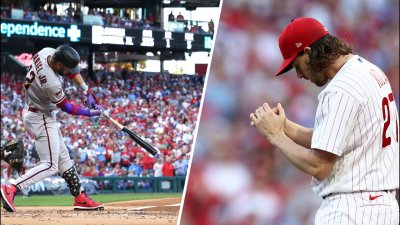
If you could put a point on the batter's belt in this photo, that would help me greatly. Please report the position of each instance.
(35, 110)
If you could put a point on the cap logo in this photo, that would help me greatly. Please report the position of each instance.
(298, 44)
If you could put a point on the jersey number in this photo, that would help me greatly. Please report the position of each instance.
(30, 77)
(386, 117)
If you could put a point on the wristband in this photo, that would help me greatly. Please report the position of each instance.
(84, 88)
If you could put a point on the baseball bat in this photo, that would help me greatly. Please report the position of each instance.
(134, 136)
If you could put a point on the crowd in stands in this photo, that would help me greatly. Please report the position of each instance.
(161, 108)
(72, 15)
(236, 176)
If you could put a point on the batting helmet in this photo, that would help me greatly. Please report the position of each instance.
(69, 57)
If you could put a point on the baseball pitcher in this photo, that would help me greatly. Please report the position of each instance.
(43, 94)
(352, 153)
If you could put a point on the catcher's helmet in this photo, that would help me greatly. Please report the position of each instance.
(69, 57)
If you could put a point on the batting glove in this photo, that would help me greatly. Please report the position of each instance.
(94, 112)
(91, 100)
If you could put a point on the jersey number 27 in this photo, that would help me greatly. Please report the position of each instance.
(386, 140)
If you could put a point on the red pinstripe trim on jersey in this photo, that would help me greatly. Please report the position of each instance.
(62, 102)
(72, 75)
(51, 158)
(391, 97)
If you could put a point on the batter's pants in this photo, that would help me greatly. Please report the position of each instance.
(50, 146)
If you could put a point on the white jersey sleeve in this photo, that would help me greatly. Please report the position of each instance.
(55, 94)
(334, 122)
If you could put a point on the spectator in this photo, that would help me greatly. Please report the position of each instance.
(150, 19)
(136, 168)
(126, 158)
(180, 167)
(82, 154)
(211, 27)
(185, 161)
(90, 171)
(117, 170)
(91, 153)
(148, 164)
(158, 167)
(70, 11)
(108, 169)
(168, 169)
(187, 137)
(116, 156)
(101, 154)
(176, 3)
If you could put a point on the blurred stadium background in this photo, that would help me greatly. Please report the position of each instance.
(146, 66)
(236, 177)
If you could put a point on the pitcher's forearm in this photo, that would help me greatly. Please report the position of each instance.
(316, 163)
(299, 134)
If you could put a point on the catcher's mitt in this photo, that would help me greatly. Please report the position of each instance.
(13, 153)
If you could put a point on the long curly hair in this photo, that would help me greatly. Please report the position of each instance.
(325, 51)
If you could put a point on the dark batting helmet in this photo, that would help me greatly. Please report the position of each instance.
(69, 57)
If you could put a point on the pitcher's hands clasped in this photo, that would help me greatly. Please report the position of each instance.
(269, 122)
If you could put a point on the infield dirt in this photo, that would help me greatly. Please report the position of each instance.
(137, 212)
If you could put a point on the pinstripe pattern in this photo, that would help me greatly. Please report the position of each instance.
(357, 209)
(350, 122)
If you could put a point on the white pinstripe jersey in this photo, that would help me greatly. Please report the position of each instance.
(43, 86)
(357, 120)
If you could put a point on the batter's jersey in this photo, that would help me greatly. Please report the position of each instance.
(357, 120)
(43, 87)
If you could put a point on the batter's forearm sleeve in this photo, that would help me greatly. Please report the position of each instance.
(73, 109)
(72, 76)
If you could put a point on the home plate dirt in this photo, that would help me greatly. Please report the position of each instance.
(139, 212)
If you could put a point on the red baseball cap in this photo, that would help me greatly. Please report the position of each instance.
(298, 34)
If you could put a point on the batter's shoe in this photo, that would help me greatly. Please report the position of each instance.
(83, 202)
(7, 197)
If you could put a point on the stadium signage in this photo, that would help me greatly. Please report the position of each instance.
(24, 58)
(40, 30)
(150, 38)
(110, 35)
(208, 42)
(168, 38)
(189, 38)
(98, 35)
(147, 38)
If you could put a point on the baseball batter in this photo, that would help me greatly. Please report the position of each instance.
(43, 94)
(352, 153)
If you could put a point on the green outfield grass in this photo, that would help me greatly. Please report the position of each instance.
(67, 200)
